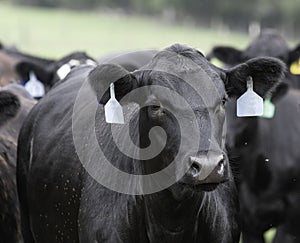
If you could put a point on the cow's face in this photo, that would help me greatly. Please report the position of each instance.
(49, 72)
(182, 109)
(269, 44)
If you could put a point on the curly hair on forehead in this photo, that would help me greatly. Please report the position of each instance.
(184, 50)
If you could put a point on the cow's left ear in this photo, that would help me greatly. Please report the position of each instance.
(279, 92)
(102, 76)
(294, 55)
(9, 106)
(227, 55)
(266, 72)
(24, 68)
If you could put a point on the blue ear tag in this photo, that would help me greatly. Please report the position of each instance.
(269, 108)
(34, 87)
(250, 103)
(113, 110)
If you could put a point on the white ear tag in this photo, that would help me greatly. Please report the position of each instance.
(35, 88)
(250, 103)
(113, 109)
(63, 71)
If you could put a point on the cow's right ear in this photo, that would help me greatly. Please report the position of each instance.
(102, 76)
(266, 72)
(9, 106)
(227, 55)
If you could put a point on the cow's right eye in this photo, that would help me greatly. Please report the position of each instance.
(224, 100)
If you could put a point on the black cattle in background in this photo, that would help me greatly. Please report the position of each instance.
(268, 43)
(15, 103)
(268, 154)
(131, 61)
(61, 202)
(266, 148)
(15, 66)
(48, 71)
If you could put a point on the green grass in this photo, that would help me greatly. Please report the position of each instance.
(55, 33)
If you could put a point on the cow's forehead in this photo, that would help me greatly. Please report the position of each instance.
(182, 73)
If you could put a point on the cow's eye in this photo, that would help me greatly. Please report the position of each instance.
(224, 100)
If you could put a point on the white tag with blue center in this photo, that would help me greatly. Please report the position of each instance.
(34, 87)
(113, 110)
(250, 103)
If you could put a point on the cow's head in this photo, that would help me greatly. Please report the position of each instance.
(49, 73)
(203, 90)
(9, 106)
(269, 43)
(15, 101)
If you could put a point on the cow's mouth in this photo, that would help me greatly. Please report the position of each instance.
(206, 187)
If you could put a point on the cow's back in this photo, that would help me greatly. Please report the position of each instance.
(47, 164)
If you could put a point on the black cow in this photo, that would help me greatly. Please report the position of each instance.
(48, 72)
(131, 61)
(15, 103)
(61, 202)
(15, 66)
(268, 43)
(268, 155)
(266, 151)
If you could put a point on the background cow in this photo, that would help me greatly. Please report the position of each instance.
(268, 43)
(15, 103)
(15, 66)
(266, 148)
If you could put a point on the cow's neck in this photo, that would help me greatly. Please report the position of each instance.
(173, 216)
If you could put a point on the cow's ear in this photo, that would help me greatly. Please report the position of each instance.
(266, 72)
(24, 68)
(9, 106)
(294, 54)
(279, 91)
(227, 55)
(102, 76)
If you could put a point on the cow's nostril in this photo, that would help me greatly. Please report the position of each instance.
(195, 168)
(221, 163)
(221, 166)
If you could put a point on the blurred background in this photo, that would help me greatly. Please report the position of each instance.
(53, 28)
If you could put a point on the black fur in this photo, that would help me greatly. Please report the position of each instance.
(9, 106)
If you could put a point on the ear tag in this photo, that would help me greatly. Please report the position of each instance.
(295, 68)
(250, 103)
(63, 71)
(35, 88)
(113, 109)
(269, 108)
